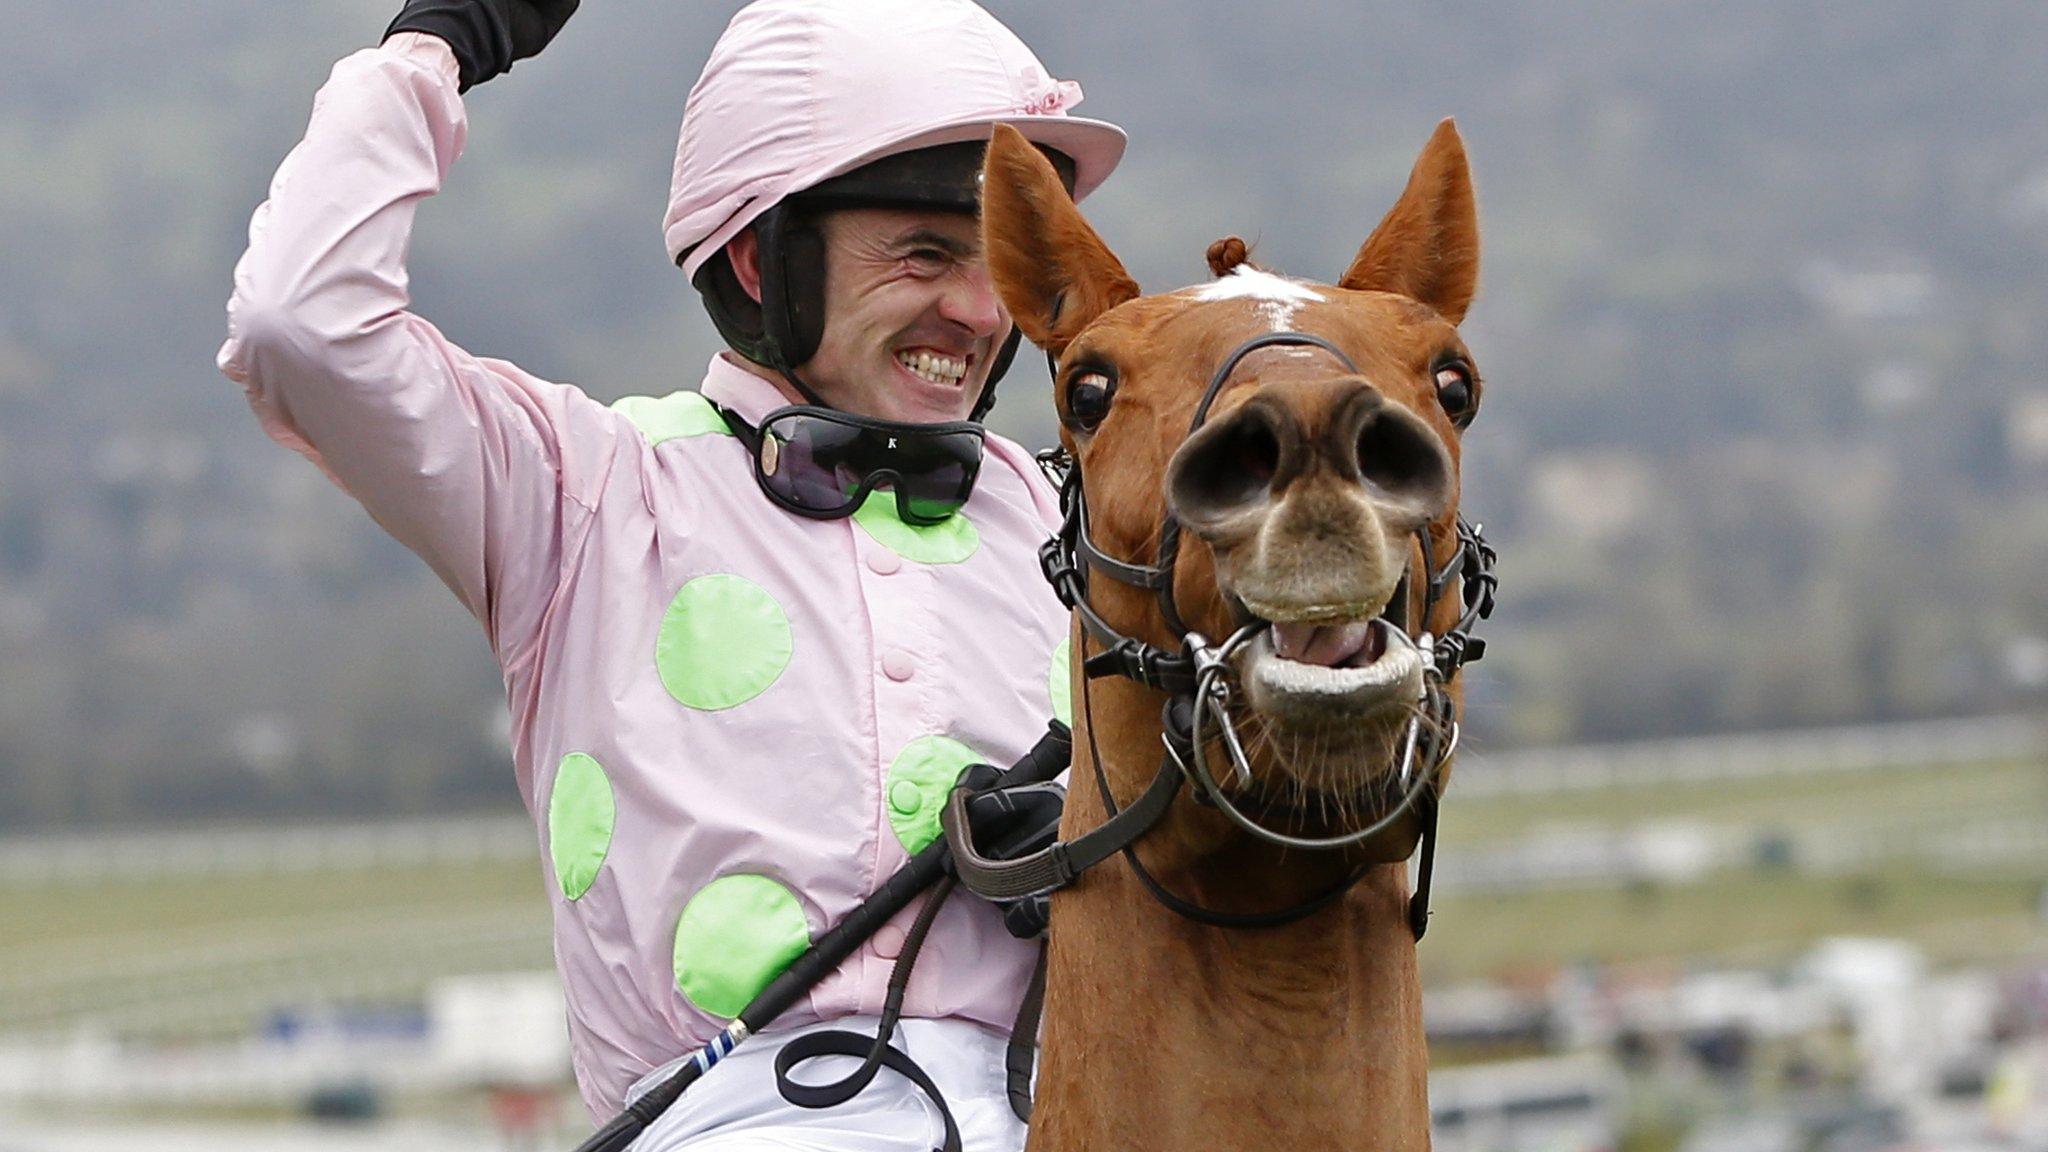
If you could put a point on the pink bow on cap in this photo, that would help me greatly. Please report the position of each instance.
(1043, 95)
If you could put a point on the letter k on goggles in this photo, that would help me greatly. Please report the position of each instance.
(822, 463)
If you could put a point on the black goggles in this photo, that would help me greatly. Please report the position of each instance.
(822, 463)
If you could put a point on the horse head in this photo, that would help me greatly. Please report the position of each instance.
(1283, 456)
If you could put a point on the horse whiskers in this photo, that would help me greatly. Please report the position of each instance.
(1304, 772)
(1323, 796)
(1345, 797)
(1317, 765)
(1320, 744)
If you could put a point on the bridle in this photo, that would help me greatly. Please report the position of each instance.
(1199, 684)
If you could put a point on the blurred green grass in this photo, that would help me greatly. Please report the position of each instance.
(1765, 914)
(207, 956)
(1734, 917)
(195, 956)
(1887, 797)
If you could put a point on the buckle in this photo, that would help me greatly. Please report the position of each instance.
(1128, 657)
(1051, 563)
(1059, 570)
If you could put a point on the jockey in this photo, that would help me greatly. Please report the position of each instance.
(750, 633)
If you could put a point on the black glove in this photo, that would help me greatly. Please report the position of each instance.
(1011, 822)
(486, 35)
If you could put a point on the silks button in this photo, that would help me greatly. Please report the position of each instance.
(897, 664)
(889, 941)
(884, 562)
(905, 798)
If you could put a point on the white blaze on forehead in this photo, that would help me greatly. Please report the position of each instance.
(1279, 297)
(1248, 283)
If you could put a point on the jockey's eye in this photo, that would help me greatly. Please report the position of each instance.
(926, 263)
(1458, 391)
(1089, 391)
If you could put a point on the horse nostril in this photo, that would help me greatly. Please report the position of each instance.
(1402, 459)
(1226, 468)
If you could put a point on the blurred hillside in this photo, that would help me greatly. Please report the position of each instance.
(1765, 333)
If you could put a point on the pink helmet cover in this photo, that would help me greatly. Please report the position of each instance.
(798, 91)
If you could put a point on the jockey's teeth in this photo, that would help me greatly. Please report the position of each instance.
(937, 369)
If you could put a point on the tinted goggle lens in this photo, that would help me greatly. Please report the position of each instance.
(823, 464)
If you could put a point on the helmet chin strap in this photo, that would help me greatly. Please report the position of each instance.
(1005, 352)
(810, 396)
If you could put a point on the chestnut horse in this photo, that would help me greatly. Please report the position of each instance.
(1299, 502)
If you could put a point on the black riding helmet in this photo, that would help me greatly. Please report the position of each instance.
(783, 330)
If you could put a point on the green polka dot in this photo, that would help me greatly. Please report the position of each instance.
(949, 542)
(734, 936)
(580, 814)
(667, 417)
(723, 641)
(920, 779)
(1060, 682)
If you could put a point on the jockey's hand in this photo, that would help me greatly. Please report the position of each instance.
(486, 35)
(1008, 823)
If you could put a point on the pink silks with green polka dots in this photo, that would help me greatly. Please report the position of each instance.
(731, 723)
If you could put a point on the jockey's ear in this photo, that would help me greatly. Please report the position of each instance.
(1427, 248)
(1054, 273)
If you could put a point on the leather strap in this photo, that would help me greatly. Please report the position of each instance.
(1022, 1054)
(1056, 866)
(815, 1044)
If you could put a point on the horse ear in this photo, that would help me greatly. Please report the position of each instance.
(1054, 273)
(1427, 248)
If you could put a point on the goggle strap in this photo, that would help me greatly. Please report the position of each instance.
(745, 433)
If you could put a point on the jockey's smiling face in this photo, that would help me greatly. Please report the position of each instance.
(912, 320)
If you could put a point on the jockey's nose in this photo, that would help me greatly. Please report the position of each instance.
(1293, 432)
(970, 301)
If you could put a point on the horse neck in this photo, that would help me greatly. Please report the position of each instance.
(1162, 1033)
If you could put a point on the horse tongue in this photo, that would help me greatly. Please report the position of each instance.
(1326, 644)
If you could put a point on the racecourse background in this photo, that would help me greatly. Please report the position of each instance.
(1764, 448)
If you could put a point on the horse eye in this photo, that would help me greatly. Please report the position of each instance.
(1454, 391)
(1088, 395)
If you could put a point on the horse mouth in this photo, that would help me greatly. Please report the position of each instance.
(1331, 671)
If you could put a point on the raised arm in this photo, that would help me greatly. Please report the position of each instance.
(484, 470)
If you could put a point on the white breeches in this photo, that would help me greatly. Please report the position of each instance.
(735, 1107)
